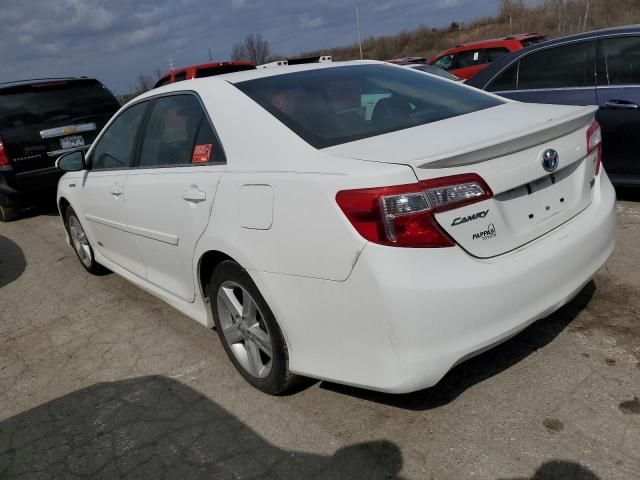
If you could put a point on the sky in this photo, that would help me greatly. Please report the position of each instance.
(116, 40)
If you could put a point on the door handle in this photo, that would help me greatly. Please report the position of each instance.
(621, 105)
(194, 195)
(116, 190)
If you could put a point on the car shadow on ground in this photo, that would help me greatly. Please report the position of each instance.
(12, 261)
(560, 470)
(483, 366)
(155, 427)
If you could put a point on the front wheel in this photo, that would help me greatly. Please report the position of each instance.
(248, 330)
(80, 243)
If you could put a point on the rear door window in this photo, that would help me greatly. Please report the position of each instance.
(495, 53)
(115, 148)
(470, 58)
(178, 77)
(178, 133)
(559, 67)
(623, 60)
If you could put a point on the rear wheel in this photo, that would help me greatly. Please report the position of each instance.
(80, 243)
(248, 330)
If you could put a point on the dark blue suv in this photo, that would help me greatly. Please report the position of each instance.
(596, 68)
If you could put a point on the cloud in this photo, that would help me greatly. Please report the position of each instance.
(140, 36)
(448, 3)
(116, 40)
(311, 22)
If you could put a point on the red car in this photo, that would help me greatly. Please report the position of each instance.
(465, 60)
(204, 70)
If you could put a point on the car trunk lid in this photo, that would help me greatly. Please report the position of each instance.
(505, 146)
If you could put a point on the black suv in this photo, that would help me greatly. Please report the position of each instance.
(39, 121)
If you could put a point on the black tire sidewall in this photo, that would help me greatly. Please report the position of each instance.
(279, 378)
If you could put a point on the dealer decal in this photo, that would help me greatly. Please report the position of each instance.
(490, 232)
(469, 218)
(201, 153)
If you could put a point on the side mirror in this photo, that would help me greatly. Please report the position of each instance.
(71, 162)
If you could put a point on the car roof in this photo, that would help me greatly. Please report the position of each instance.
(517, 37)
(482, 78)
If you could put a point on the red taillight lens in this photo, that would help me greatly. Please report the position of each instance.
(594, 141)
(402, 215)
(4, 160)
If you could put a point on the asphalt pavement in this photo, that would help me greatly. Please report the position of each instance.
(99, 379)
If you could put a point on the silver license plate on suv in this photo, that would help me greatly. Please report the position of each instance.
(72, 141)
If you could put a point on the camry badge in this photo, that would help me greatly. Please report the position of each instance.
(550, 160)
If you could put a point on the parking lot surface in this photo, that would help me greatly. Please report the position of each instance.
(98, 379)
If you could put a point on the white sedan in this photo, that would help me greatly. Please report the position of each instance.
(356, 222)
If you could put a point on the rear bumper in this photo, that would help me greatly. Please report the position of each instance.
(405, 317)
(14, 184)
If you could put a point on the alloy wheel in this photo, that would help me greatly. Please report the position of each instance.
(244, 329)
(79, 241)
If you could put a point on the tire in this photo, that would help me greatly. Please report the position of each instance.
(80, 244)
(9, 213)
(250, 335)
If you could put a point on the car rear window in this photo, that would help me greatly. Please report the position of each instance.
(54, 101)
(337, 105)
(532, 41)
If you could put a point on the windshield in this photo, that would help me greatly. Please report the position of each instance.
(336, 105)
(54, 101)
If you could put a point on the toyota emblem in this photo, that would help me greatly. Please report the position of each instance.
(550, 160)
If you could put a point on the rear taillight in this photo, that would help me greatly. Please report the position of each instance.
(4, 160)
(594, 141)
(402, 215)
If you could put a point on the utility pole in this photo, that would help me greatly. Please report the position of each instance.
(172, 65)
(359, 37)
(158, 73)
(210, 56)
(586, 16)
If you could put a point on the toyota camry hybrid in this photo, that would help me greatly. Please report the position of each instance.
(357, 222)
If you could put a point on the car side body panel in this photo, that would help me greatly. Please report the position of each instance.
(391, 319)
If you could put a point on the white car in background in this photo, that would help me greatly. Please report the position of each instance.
(371, 245)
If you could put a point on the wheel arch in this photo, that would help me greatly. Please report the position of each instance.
(207, 263)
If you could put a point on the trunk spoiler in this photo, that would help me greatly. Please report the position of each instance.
(499, 147)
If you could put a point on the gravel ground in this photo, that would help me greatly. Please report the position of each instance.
(100, 380)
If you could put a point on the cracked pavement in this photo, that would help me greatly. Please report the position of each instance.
(98, 379)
